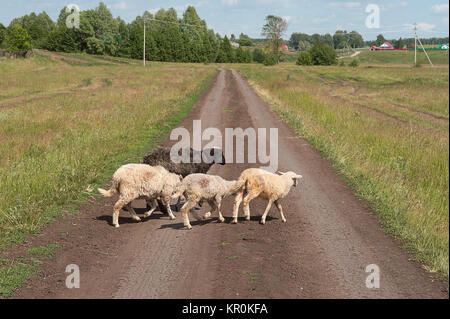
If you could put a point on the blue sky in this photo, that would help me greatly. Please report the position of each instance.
(247, 16)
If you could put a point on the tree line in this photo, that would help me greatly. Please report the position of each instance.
(169, 38)
(340, 40)
(343, 39)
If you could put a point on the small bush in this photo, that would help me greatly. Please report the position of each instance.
(323, 54)
(354, 63)
(270, 59)
(258, 55)
(342, 63)
(304, 59)
(18, 39)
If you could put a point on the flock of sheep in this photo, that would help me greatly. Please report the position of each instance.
(160, 179)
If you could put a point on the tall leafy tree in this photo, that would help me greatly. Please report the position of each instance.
(2, 34)
(380, 40)
(274, 30)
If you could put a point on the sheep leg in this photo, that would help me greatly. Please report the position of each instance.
(166, 201)
(263, 218)
(281, 211)
(213, 208)
(162, 207)
(153, 208)
(219, 204)
(237, 202)
(117, 207)
(133, 212)
(196, 215)
(250, 196)
(184, 212)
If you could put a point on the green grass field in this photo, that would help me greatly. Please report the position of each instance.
(386, 129)
(65, 128)
(400, 57)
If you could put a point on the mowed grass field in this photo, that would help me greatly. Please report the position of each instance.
(386, 128)
(400, 57)
(65, 128)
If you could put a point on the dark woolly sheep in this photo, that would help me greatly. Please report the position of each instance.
(160, 156)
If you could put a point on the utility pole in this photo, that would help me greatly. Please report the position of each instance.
(144, 41)
(416, 39)
(415, 44)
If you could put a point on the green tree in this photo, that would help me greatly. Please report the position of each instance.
(244, 40)
(247, 56)
(340, 39)
(274, 30)
(323, 54)
(399, 44)
(298, 39)
(226, 52)
(17, 39)
(258, 55)
(380, 40)
(270, 60)
(305, 59)
(2, 34)
(328, 40)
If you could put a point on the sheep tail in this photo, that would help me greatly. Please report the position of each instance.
(113, 190)
(240, 185)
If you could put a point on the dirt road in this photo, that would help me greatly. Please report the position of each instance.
(321, 252)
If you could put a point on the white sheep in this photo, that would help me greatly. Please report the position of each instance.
(201, 187)
(141, 181)
(240, 185)
(264, 185)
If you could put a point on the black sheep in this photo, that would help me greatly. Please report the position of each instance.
(161, 156)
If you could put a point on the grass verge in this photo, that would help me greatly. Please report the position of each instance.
(57, 149)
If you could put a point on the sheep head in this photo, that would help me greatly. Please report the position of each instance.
(294, 176)
(214, 155)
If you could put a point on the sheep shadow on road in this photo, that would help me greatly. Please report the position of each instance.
(124, 217)
(180, 226)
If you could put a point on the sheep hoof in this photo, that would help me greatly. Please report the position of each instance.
(247, 218)
(207, 215)
(138, 219)
(263, 222)
(221, 220)
(189, 227)
(234, 221)
(284, 220)
(117, 226)
(172, 218)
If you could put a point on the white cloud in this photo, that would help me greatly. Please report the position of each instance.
(121, 5)
(421, 26)
(344, 4)
(287, 18)
(201, 4)
(440, 8)
(154, 10)
(230, 2)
